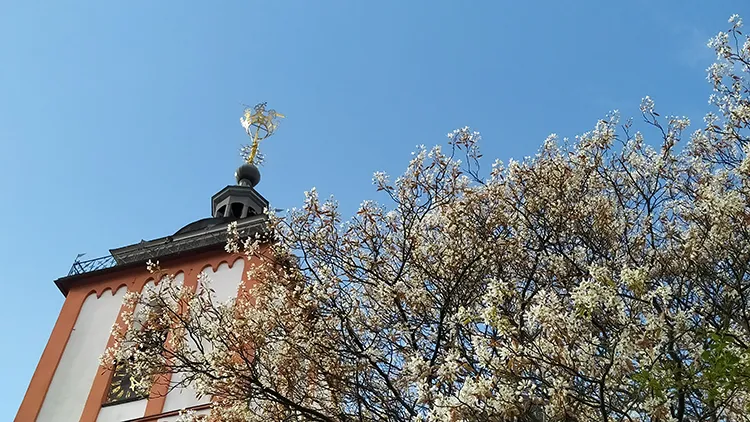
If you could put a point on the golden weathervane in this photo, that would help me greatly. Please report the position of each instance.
(259, 124)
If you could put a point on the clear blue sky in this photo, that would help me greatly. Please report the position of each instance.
(119, 120)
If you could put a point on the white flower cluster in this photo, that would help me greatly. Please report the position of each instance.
(604, 279)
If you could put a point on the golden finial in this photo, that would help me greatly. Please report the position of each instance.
(259, 124)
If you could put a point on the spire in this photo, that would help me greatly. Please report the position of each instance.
(242, 200)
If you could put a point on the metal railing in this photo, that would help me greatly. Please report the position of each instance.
(141, 252)
(80, 267)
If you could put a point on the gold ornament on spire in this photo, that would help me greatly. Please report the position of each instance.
(259, 124)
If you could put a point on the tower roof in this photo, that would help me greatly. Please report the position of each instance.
(241, 203)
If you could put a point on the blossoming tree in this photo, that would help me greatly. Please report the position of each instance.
(604, 279)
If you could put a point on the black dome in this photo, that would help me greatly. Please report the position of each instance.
(204, 223)
(247, 175)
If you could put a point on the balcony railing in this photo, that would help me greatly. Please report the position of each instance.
(80, 267)
(170, 245)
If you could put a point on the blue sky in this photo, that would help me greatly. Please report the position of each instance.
(119, 120)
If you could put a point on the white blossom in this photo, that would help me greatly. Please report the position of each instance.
(603, 279)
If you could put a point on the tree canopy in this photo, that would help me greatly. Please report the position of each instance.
(607, 278)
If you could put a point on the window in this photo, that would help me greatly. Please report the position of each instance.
(237, 209)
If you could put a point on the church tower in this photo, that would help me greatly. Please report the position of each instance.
(69, 384)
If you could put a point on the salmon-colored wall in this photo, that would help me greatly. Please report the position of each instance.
(134, 279)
